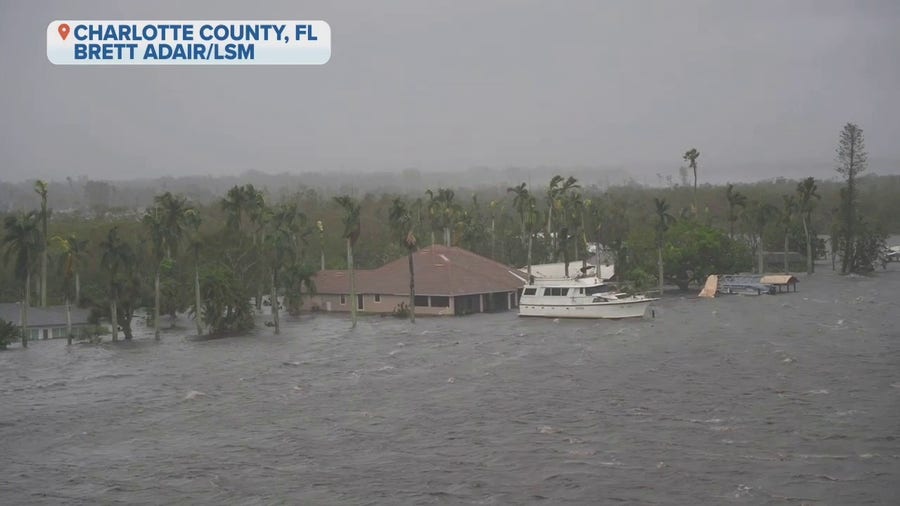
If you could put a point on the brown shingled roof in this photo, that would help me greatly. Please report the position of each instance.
(440, 270)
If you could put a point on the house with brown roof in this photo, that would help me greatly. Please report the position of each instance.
(449, 281)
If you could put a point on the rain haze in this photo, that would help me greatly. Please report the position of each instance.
(760, 88)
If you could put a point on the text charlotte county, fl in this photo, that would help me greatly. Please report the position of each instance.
(177, 41)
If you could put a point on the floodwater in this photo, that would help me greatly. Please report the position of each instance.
(787, 399)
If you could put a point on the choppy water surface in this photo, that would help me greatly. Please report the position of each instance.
(748, 400)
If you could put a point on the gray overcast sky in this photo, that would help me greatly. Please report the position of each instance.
(450, 84)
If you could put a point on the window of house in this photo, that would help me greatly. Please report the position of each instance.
(530, 291)
(377, 297)
(343, 299)
(421, 301)
(440, 301)
(359, 302)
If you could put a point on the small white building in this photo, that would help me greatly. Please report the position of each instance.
(46, 322)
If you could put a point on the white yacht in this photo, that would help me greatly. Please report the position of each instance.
(584, 297)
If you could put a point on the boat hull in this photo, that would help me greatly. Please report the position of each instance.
(612, 310)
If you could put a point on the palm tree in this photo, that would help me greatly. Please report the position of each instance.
(663, 220)
(402, 222)
(526, 205)
(758, 217)
(553, 191)
(283, 226)
(72, 249)
(22, 240)
(245, 209)
(156, 228)
(532, 221)
(40, 187)
(572, 207)
(192, 221)
(806, 192)
(691, 156)
(520, 204)
(496, 207)
(115, 255)
(787, 219)
(557, 191)
(172, 213)
(321, 228)
(351, 234)
(444, 213)
(735, 200)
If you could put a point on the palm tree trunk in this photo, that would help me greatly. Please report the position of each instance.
(731, 221)
(412, 289)
(759, 252)
(695, 188)
(352, 284)
(809, 262)
(156, 314)
(530, 240)
(77, 290)
(447, 238)
(323, 260)
(114, 320)
(68, 322)
(25, 308)
(549, 234)
(44, 270)
(659, 263)
(493, 240)
(786, 252)
(432, 237)
(197, 316)
(275, 304)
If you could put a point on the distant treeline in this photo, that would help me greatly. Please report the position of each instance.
(87, 197)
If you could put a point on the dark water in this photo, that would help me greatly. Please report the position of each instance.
(787, 399)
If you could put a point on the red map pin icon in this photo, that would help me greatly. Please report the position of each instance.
(63, 31)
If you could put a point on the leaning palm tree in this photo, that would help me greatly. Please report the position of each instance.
(351, 234)
(663, 220)
(402, 223)
(40, 187)
(806, 192)
(691, 157)
(22, 240)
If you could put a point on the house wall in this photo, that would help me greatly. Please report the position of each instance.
(488, 302)
(386, 306)
(54, 332)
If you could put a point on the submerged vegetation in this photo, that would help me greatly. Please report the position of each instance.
(256, 251)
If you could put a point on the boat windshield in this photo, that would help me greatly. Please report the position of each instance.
(597, 289)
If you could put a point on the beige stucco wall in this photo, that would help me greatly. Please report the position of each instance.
(386, 306)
